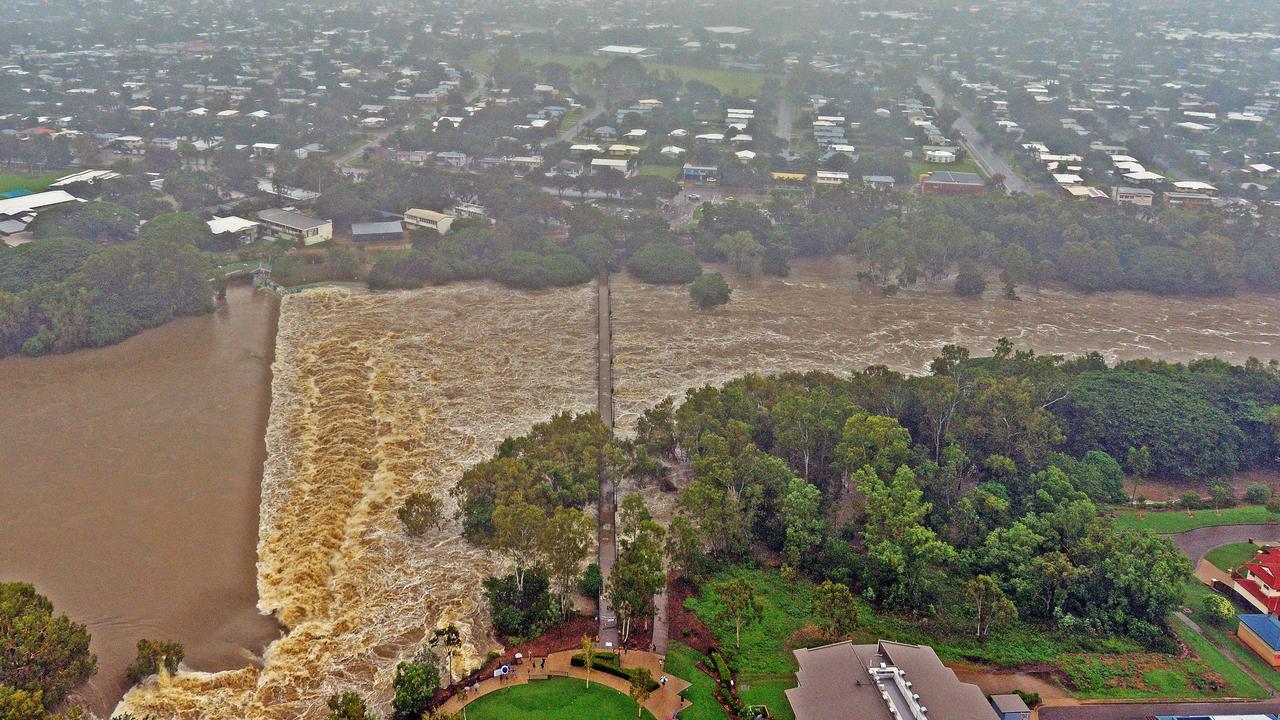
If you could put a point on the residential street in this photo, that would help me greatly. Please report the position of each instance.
(1147, 711)
(1195, 543)
(973, 141)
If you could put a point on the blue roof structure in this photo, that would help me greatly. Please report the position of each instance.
(16, 193)
(1266, 627)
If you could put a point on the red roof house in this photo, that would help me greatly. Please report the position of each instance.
(1258, 581)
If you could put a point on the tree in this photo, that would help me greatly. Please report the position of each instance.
(743, 252)
(739, 605)
(1139, 461)
(802, 516)
(989, 604)
(1257, 494)
(344, 264)
(835, 604)
(1045, 579)
(588, 656)
(421, 512)
(595, 251)
(565, 543)
(348, 706)
(637, 575)
(415, 684)
(875, 441)
(41, 654)
(905, 559)
(641, 687)
(180, 228)
(517, 530)
(969, 281)
(709, 290)
(664, 263)
(450, 639)
(154, 656)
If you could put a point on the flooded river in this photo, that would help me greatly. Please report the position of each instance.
(129, 487)
(378, 396)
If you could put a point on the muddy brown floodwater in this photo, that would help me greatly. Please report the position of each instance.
(822, 318)
(129, 487)
(378, 396)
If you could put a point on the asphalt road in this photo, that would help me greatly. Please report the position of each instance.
(377, 138)
(784, 119)
(1195, 543)
(1147, 711)
(572, 132)
(977, 146)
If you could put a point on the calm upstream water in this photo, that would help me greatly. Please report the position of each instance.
(129, 486)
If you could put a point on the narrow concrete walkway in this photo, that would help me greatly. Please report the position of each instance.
(606, 532)
(663, 703)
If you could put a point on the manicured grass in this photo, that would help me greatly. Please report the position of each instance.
(682, 662)
(726, 81)
(665, 171)
(920, 167)
(1232, 556)
(555, 699)
(1172, 521)
(34, 183)
(1194, 599)
(773, 694)
(1239, 684)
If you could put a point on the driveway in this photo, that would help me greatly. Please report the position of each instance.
(1195, 543)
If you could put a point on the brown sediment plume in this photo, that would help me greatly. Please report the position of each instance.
(375, 397)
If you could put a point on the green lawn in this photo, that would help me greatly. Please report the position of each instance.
(1229, 557)
(920, 167)
(682, 662)
(555, 699)
(771, 693)
(664, 171)
(1172, 521)
(34, 183)
(726, 81)
(1238, 681)
(1195, 592)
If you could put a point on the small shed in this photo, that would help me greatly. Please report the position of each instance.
(390, 231)
(1010, 707)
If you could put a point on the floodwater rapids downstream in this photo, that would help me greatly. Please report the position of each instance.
(375, 396)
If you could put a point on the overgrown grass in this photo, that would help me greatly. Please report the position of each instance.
(682, 662)
(1173, 521)
(555, 699)
(664, 171)
(1231, 556)
(1239, 684)
(20, 181)
(1194, 599)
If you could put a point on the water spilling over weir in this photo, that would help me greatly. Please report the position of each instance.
(377, 396)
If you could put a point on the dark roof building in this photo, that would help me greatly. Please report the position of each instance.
(1010, 707)
(885, 681)
(945, 182)
(388, 231)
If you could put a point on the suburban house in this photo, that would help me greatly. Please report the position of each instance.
(945, 182)
(1262, 634)
(381, 231)
(1187, 199)
(290, 224)
(1257, 581)
(242, 230)
(17, 212)
(428, 219)
(620, 165)
(1142, 197)
(830, 177)
(879, 182)
(885, 681)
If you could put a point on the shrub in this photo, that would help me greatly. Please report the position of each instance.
(1257, 494)
(532, 271)
(521, 613)
(664, 263)
(969, 281)
(153, 655)
(1032, 699)
(1273, 505)
(1218, 609)
(591, 584)
(1190, 500)
(1221, 494)
(709, 290)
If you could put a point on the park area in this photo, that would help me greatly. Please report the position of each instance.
(555, 699)
(728, 82)
(10, 182)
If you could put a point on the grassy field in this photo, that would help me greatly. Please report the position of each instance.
(555, 699)
(34, 183)
(1172, 521)
(664, 171)
(726, 81)
(1238, 681)
(1230, 557)
(682, 662)
(920, 167)
(1194, 599)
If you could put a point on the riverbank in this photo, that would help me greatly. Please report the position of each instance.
(131, 486)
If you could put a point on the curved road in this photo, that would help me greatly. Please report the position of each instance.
(1195, 543)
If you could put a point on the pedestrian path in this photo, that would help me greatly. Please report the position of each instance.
(663, 703)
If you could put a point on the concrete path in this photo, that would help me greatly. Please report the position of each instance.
(663, 703)
(606, 532)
